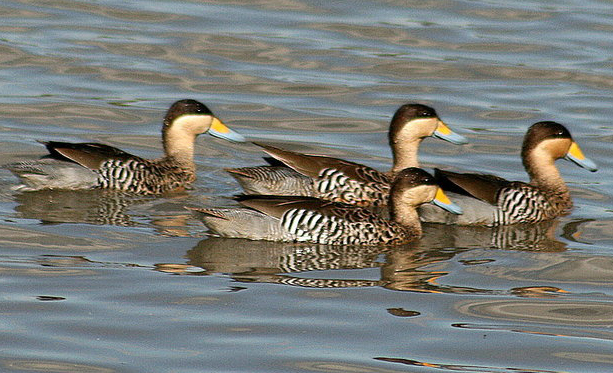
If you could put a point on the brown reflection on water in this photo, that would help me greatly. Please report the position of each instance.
(269, 87)
(338, 367)
(507, 115)
(143, 77)
(105, 207)
(21, 238)
(44, 272)
(419, 265)
(262, 261)
(243, 49)
(57, 266)
(21, 13)
(570, 269)
(405, 270)
(414, 267)
(385, 34)
(590, 231)
(585, 357)
(509, 14)
(558, 312)
(65, 113)
(82, 206)
(392, 68)
(499, 47)
(420, 4)
(417, 69)
(15, 57)
(528, 237)
(93, 8)
(42, 365)
(525, 73)
(272, 5)
(460, 367)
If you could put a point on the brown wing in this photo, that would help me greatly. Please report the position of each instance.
(277, 206)
(90, 155)
(483, 187)
(312, 165)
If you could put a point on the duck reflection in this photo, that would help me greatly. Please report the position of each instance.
(531, 237)
(416, 266)
(99, 207)
(86, 206)
(264, 261)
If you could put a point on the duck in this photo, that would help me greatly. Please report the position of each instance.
(94, 165)
(489, 200)
(313, 220)
(338, 180)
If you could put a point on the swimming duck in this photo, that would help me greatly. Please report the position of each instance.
(306, 219)
(490, 200)
(338, 180)
(94, 165)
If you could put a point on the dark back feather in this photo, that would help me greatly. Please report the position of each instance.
(313, 165)
(483, 187)
(90, 155)
(277, 206)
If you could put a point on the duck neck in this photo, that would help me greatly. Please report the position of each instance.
(179, 147)
(545, 175)
(406, 216)
(404, 152)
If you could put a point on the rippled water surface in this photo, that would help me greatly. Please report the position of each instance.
(100, 282)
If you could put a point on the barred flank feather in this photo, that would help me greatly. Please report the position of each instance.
(324, 257)
(312, 226)
(143, 176)
(322, 283)
(270, 180)
(525, 204)
(334, 185)
(307, 219)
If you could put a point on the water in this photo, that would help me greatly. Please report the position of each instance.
(100, 282)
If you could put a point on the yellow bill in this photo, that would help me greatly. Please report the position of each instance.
(442, 201)
(443, 132)
(218, 129)
(576, 155)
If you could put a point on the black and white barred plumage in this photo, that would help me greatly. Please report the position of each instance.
(350, 227)
(94, 165)
(371, 189)
(273, 180)
(523, 203)
(491, 201)
(338, 180)
(304, 219)
(363, 186)
(142, 176)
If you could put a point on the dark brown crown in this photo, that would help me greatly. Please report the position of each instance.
(412, 177)
(185, 107)
(407, 113)
(542, 131)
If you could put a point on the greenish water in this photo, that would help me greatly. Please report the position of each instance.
(99, 282)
